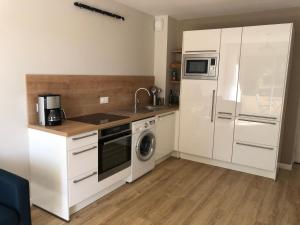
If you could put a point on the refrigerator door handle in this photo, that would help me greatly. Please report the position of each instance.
(212, 106)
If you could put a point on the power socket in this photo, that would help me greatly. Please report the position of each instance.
(104, 100)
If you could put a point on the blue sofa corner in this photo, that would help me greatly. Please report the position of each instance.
(14, 200)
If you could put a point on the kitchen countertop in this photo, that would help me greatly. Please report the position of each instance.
(71, 128)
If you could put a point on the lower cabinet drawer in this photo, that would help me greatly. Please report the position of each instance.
(82, 160)
(255, 131)
(257, 156)
(83, 139)
(83, 187)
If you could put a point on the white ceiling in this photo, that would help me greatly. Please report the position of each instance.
(187, 9)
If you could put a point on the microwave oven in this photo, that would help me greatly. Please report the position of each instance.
(200, 66)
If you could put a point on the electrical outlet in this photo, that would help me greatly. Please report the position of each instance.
(103, 100)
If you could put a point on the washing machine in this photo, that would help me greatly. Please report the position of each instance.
(143, 148)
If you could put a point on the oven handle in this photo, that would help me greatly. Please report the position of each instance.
(117, 139)
(110, 135)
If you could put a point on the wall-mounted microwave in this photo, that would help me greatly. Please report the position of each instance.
(202, 66)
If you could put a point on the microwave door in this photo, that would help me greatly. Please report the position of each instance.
(196, 67)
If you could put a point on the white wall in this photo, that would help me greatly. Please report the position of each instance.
(55, 37)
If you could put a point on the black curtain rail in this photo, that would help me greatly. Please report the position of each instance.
(93, 9)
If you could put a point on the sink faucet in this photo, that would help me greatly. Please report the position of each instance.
(135, 97)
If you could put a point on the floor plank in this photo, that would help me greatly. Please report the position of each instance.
(180, 192)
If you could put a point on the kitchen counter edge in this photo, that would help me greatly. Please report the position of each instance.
(70, 128)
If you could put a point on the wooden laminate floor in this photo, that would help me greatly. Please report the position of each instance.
(180, 192)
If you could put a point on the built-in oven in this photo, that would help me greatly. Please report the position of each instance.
(114, 150)
(203, 66)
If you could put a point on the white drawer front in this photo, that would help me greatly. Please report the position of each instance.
(82, 160)
(261, 157)
(83, 139)
(255, 131)
(83, 187)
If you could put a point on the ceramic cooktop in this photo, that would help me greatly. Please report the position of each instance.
(98, 118)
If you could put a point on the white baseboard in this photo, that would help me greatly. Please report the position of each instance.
(160, 160)
(285, 166)
(175, 154)
(231, 166)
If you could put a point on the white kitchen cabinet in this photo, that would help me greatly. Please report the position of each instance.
(83, 187)
(227, 92)
(63, 170)
(165, 135)
(83, 159)
(197, 101)
(263, 70)
(251, 90)
(257, 131)
(261, 93)
(223, 138)
(253, 155)
(80, 140)
(201, 41)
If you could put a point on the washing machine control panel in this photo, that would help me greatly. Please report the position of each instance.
(152, 122)
(143, 125)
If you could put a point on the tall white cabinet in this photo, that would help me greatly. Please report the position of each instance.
(197, 117)
(244, 133)
(261, 92)
(227, 93)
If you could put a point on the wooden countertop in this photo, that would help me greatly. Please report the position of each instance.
(71, 128)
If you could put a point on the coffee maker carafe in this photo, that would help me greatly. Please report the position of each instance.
(49, 110)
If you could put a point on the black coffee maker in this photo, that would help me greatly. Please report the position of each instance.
(49, 110)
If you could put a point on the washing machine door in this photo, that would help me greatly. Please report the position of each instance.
(145, 147)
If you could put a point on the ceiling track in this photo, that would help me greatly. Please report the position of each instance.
(103, 12)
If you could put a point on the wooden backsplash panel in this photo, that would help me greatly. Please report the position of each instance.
(80, 93)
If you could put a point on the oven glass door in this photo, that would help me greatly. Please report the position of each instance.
(196, 67)
(114, 155)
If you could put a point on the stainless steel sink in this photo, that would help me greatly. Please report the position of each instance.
(143, 109)
(153, 108)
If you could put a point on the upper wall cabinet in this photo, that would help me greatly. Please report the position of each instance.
(263, 70)
(201, 41)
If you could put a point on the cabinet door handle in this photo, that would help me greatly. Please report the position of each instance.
(223, 117)
(82, 137)
(212, 106)
(255, 146)
(86, 150)
(165, 115)
(84, 178)
(255, 121)
(263, 117)
(201, 51)
(225, 113)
